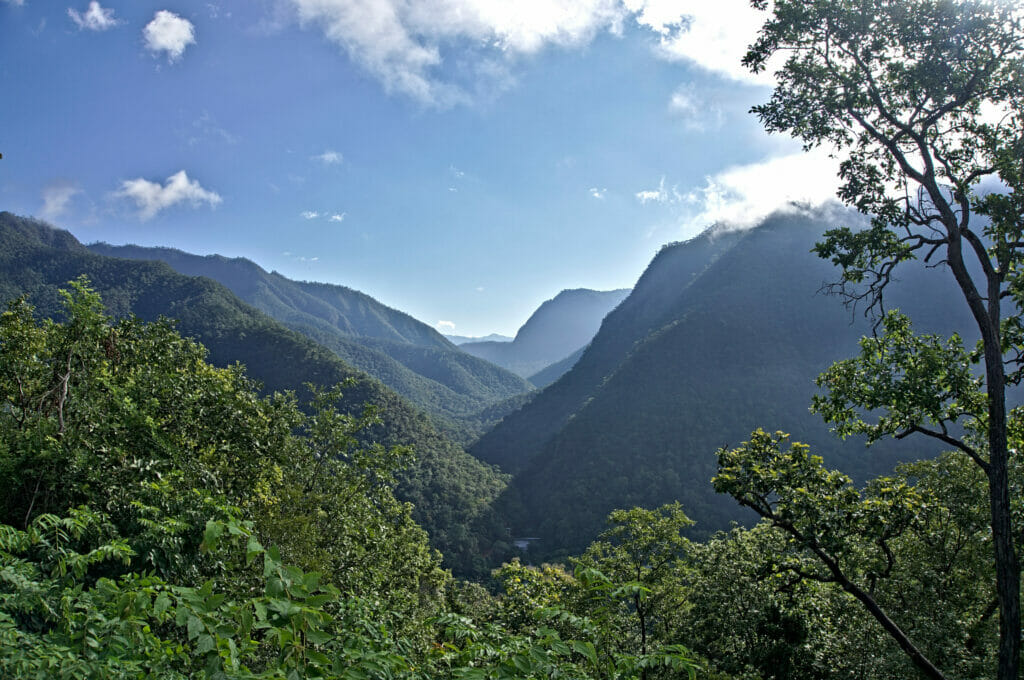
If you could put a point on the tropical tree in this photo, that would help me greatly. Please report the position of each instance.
(923, 103)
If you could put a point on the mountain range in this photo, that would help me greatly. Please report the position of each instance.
(463, 339)
(722, 334)
(450, 490)
(405, 354)
(558, 328)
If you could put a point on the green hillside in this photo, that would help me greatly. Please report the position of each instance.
(407, 355)
(553, 372)
(449, 489)
(737, 348)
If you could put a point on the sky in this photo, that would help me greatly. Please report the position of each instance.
(459, 160)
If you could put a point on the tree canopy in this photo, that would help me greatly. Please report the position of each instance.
(923, 104)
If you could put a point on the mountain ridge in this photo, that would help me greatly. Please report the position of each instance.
(450, 490)
(725, 334)
(404, 353)
(556, 329)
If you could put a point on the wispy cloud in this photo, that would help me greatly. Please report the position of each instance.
(659, 195)
(170, 34)
(597, 193)
(445, 326)
(329, 157)
(152, 197)
(15, 2)
(206, 127)
(337, 217)
(696, 112)
(95, 18)
(56, 198)
(309, 214)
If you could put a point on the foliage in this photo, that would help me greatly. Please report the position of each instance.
(142, 485)
(924, 104)
(913, 549)
(641, 553)
(129, 419)
(406, 355)
(449, 489)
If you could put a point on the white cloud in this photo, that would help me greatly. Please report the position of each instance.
(169, 33)
(713, 35)
(96, 18)
(741, 196)
(329, 157)
(659, 195)
(337, 217)
(152, 197)
(309, 214)
(597, 193)
(445, 326)
(400, 41)
(15, 2)
(404, 43)
(56, 198)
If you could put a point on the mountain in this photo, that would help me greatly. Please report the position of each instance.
(553, 372)
(722, 334)
(463, 339)
(450, 490)
(558, 328)
(405, 354)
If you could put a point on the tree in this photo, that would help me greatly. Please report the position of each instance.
(643, 553)
(924, 103)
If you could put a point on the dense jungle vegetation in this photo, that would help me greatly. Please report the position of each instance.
(160, 517)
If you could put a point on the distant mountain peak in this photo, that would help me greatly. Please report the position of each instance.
(558, 328)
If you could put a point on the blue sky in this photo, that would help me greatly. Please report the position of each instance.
(461, 160)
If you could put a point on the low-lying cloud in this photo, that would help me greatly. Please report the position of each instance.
(743, 195)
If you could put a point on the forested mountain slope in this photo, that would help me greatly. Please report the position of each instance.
(405, 354)
(449, 489)
(557, 329)
(723, 334)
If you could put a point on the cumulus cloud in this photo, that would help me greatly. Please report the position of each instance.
(337, 217)
(445, 326)
(400, 41)
(169, 33)
(152, 197)
(56, 198)
(95, 18)
(404, 43)
(741, 196)
(713, 35)
(309, 214)
(329, 157)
